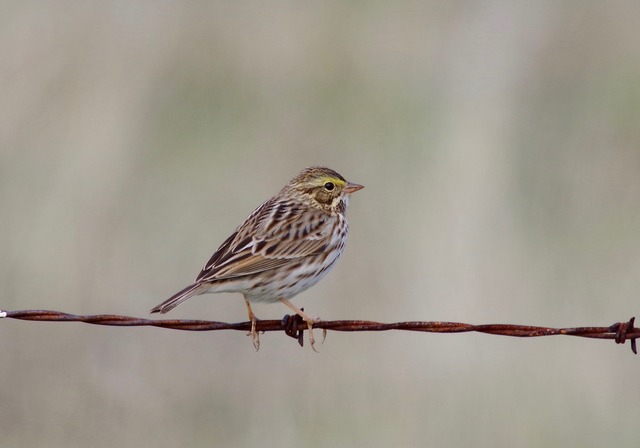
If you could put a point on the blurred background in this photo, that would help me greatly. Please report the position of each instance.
(499, 143)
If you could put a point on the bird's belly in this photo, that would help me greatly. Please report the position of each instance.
(286, 284)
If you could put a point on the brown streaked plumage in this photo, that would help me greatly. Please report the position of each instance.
(283, 248)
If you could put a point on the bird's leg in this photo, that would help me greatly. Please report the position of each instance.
(255, 336)
(308, 319)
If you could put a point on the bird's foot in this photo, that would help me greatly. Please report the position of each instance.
(291, 323)
(255, 335)
(301, 315)
(312, 340)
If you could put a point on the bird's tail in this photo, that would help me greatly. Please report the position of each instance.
(179, 297)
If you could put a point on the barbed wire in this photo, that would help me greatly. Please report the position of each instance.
(294, 326)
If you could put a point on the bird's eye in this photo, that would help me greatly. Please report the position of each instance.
(329, 186)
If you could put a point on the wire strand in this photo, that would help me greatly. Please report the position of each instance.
(294, 326)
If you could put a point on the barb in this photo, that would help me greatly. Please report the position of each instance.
(294, 326)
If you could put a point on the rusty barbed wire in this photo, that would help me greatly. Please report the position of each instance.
(294, 326)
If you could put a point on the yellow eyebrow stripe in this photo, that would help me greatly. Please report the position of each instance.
(335, 180)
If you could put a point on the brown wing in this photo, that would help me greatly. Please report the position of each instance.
(274, 235)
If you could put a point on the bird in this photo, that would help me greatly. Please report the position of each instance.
(284, 247)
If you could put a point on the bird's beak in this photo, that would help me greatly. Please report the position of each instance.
(352, 188)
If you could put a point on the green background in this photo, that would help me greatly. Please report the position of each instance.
(499, 143)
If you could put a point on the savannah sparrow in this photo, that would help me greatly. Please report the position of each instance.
(283, 248)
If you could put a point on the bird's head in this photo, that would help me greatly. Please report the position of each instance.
(322, 188)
